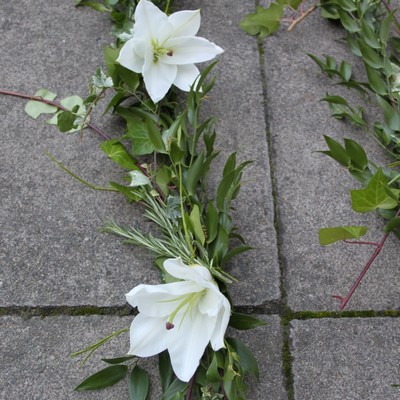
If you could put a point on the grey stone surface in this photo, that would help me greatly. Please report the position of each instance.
(312, 190)
(38, 367)
(347, 359)
(237, 101)
(51, 252)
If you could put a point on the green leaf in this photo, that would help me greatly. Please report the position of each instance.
(247, 360)
(106, 377)
(348, 23)
(345, 70)
(234, 252)
(165, 369)
(155, 136)
(66, 119)
(196, 224)
(356, 153)
(385, 29)
(129, 192)
(35, 108)
(212, 222)
(174, 389)
(375, 80)
(141, 143)
(373, 196)
(130, 78)
(117, 360)
(392, 117)
(92, 4)
(138, 384)
(337, 151)
(194, 174)
(331, 235)
(392, 225)
(212, 373)
(369, 35)
(244, 322)
(117, 153)
(370, 56)
(264, 21)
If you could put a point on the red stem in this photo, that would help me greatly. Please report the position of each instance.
(379, 246)
(190, 389)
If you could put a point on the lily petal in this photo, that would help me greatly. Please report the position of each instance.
(129, 58)
(210, 303)
(185, 23)
(190, 50)
(160, 300)
(158, 77)
(148, 336)
(186, 76)
(217, 338)
(195, 273)
(148, 19)
(187, 343)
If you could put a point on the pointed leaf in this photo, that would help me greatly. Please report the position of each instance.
(331, 235)
(106, 377)
(244, 322)
(247, 360)
(393, 224)
(138, 384)
(373, 196)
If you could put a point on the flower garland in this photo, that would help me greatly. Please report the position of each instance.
(185, 318)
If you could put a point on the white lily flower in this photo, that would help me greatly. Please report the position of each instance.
(181, 317)
(164, 49)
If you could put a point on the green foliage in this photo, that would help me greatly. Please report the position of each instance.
(244, 322)
(138, 384)
(331, 235)
(264, 21)
(377, 194)
(106, 377)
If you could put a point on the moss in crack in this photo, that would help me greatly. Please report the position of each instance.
(26, 312)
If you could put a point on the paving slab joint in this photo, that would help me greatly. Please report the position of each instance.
(28, 312)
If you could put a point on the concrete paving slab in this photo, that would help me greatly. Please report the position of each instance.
(346, 359)
(36, 353)
(312, 190)
(51, 252)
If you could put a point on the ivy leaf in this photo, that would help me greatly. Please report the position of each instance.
(117, 153)
(106, 377)
(264, 21)
(373, 196)
(35, 108)
(331, 235)
(138, 384)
